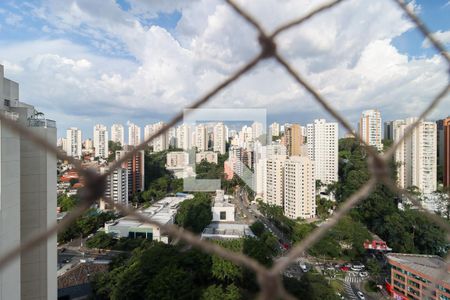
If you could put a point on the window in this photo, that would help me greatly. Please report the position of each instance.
(7, 103)
(223, 215)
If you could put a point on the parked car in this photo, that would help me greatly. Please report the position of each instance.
(360, 295)
(357, 267)
(344, 268)
(363, 274)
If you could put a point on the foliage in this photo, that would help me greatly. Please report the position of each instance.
(276, 216)
(66, 202)
(214, 292)
(310, 287)
(85, 225)
(224, 270)
(100, 240)
(257, 228)
(195, 214)
(323, 207)
(113, 147)
(406, 231)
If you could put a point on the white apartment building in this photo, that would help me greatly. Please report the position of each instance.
(73, 142)
(209, 156)
(370, 128)
(101, 141)
(27, 199)
(299, 188)
(322, 144)
(275, 129)
(171, 138)
(184, 137)
(177, 159)
(118, 134)
(417, 155)
(134, 134)
(201, 139)
(219, 138)
(159, 143)
(257, 131)
(117, 185)
(274, 192)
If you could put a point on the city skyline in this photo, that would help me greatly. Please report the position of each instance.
(105, 59)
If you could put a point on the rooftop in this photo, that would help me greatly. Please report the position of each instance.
(162, 211)
(430, 265)
(218, 230)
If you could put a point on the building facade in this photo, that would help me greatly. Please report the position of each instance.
(219, 138)
(101, 141)
(274, 191)
(134, 134)
(275, 129)
(117, 186)
(27, 199)
(201, 138)
(184, 137)
(209, 156)
(322, 143)
(73, 142)
(294, 139)
(299, 188)
(118, 134)
(136, 170)
(414, 276)
(416, 156)
(443, 140)
(370, 128)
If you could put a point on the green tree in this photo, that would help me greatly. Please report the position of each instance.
(224, 270)
(216, 292)
(100, 240)
(195, 214)
(66, 202)
(257, 228)
(113, 147)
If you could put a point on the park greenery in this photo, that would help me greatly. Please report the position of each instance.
(195, 214)
(113, 147)
(159, 271)
(66, 202)
(407, 230)
(85, 225)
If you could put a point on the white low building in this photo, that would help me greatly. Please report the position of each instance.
(222, 210)
(163, 212)
(223, 224)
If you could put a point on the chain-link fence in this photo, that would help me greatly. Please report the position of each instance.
(270, 280)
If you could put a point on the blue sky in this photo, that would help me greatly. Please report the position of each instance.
(85, 62)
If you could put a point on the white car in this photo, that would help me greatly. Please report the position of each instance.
(363, 274)
(357, 267)
(360, 295)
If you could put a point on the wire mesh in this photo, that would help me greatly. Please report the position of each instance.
(269, 280)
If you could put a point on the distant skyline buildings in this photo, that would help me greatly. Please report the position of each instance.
(369, 128)
(118, 134)
(101, 141)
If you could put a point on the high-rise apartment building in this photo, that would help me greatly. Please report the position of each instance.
(299, 188)
(101, 141)
(219, 138)
(184, 137)
(171, 138)
(118, 134)
(134, 134)
(136, 171)
(274, 192)
(275, 129)
(294, 139)
(322, 142)
(416, 155)
(73, 142)
(443, 144)
(370, 128)
(201, 140)
(159, 142)
(27, 199)
(117, 185)
(257, 131)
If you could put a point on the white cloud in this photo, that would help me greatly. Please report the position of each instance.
(346, 53)
(442, 36)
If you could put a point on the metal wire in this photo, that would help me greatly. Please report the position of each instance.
(269, 279)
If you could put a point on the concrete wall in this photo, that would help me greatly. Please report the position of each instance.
(38, 212)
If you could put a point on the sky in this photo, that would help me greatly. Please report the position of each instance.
(84, 62)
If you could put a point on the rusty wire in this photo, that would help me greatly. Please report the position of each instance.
(269, 279)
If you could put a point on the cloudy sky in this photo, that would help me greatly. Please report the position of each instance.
(84, 62)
